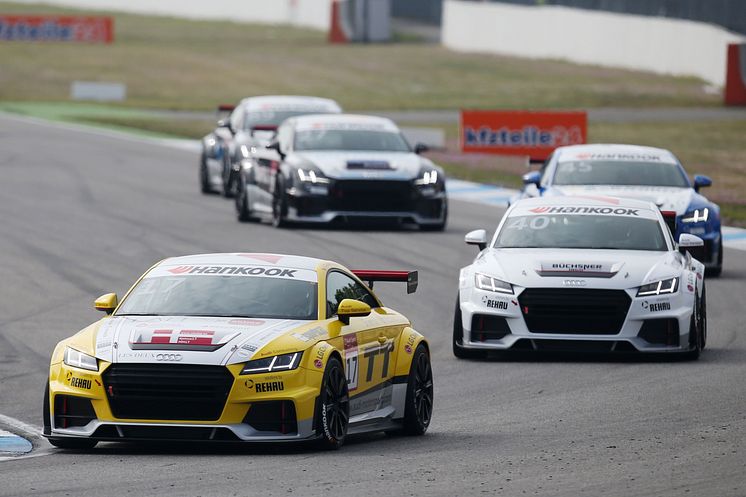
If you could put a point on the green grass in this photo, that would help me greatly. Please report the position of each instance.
(185, 64)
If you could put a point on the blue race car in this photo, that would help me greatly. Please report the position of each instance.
(638, 172)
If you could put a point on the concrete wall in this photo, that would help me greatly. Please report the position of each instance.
(662, 45)
(314, 14)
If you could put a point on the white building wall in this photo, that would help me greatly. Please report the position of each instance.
(314, 14)
(661, 45)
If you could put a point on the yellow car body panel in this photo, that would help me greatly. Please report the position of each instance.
(376, 351)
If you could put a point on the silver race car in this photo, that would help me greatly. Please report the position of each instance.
(597, 274)
(251, 124)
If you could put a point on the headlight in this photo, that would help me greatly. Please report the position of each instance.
(491, 284)
(696, 216)
(659, 287)
(429, 177)
(80, 360)
(311, 176)
(272, 364)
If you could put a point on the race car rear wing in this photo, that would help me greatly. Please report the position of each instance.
(263, 127)
(373, 275)
(670, 218)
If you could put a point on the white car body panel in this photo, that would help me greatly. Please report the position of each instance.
(594, 269)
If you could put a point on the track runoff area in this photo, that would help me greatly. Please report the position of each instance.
(87, 212)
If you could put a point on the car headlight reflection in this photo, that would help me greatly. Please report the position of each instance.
(285, 362)
(491, 284)
(696, 216)
(428, 178)
(659, 287)
(80, 360)
(311, 176)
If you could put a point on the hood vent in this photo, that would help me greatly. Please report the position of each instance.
(369, 165)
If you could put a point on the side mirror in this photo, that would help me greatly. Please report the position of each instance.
(421, 148)
(701, 181)
(106, 303)
(275, 145)
(532, 178)
(478, 238)
(226, 124)
(350, 308)
(692, 244)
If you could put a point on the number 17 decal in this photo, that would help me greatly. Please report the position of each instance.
(351, 359)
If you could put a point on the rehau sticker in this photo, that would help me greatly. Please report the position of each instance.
(76, 382)
(656, 306)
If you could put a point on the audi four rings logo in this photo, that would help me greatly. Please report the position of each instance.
(574, 282)
(168, 357)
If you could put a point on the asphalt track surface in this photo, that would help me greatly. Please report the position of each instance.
(83, 214)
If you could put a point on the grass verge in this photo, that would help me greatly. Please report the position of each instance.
(188, 64)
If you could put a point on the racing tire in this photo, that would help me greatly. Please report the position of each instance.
(717, 270)
(437, 226)
(418, 405)
(62, 443)
(458, 336)
(229, 178)
(703, 316)
(244, 212)
(279, 206)
(695, 333)
(334, 406)
(204, 177)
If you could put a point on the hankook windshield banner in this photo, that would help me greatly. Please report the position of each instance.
(532, 134)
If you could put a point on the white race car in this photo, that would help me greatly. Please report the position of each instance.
(596, 274)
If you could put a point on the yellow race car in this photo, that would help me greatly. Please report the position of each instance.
(241, 347)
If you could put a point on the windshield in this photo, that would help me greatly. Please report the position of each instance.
(581, 232)
(222, 296)
(346, 139)
(276, 117)
(619, 173)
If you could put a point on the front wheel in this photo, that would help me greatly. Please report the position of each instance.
(418, 406)
(695, 333)
(243, 204)
(717, 270)
(458, 337)
(334, 406)
(279, 205)
(441, 226)
(229, 178)
(204, 176)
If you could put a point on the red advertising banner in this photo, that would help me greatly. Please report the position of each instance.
(533, 134)
(86, 29)
(735, 78)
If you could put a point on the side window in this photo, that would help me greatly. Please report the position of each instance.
(284, 136)
(339, 286)
(544, 170)
(237, 118)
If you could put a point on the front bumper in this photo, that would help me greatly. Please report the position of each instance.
(256, 408)
(648, 324)
(365, 200)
